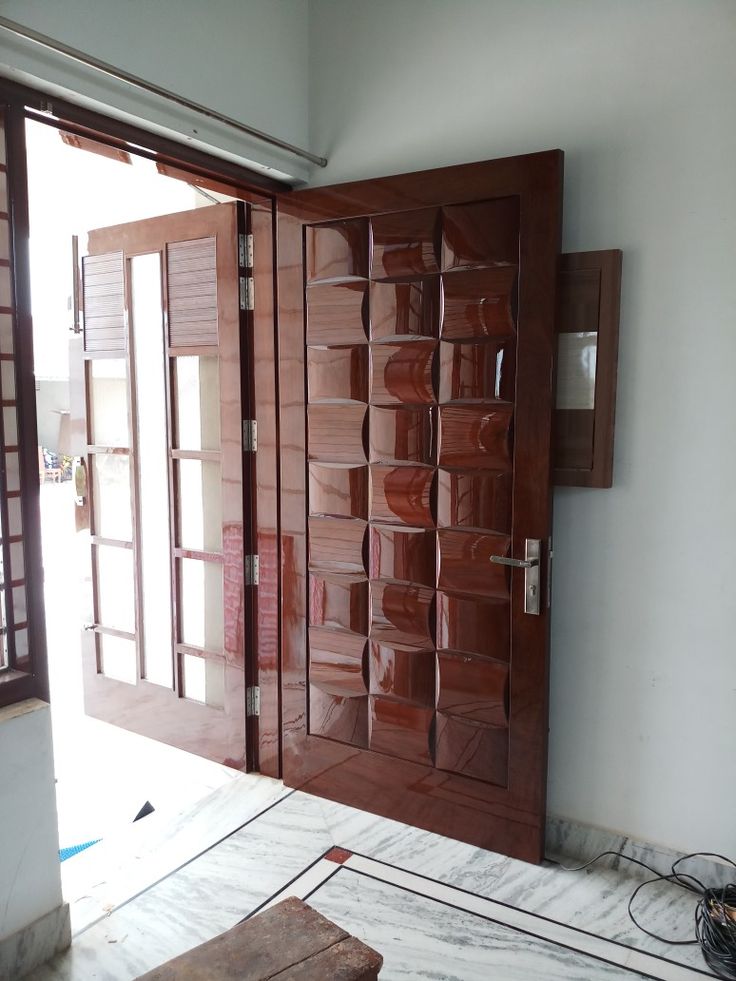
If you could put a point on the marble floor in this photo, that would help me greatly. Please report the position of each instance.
(435, 908)
(103, 774)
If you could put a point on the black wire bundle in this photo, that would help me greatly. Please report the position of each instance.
(715, 912)
(715, 928)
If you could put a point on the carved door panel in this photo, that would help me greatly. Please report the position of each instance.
(162, 373)
(417, 320)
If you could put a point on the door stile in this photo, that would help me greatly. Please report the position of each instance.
(249, 478)
(264, 336)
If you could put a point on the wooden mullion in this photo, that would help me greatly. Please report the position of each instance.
(206, 456)
(94, 448)
(111, 542)
(193, 350)
(98, 628)
(198, 555)
(200, 652)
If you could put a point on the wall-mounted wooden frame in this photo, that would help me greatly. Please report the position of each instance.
(589, 289)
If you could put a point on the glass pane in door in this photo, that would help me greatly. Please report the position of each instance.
(115, 587)
(149, 358)
(204, 680)
(111, 496)
(199, 491)
(197, 407)
(201, 604)
(108, 402)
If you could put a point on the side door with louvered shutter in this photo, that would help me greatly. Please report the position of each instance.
(164, 645)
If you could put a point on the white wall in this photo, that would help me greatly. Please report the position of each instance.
(639, 94)
(244, 58)
(30, 878)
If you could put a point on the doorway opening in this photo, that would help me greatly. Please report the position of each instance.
(106, 773)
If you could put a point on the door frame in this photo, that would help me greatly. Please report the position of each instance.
(202, 169)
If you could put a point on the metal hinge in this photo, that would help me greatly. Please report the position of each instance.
(250, 435)
(245, 251)
(251, 570)
(247, 293)
(253, 701)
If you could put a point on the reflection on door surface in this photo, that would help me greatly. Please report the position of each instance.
(164, 653)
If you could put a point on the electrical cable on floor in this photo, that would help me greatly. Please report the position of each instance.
(715, 912)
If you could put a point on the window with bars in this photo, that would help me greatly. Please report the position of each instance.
(22, 635)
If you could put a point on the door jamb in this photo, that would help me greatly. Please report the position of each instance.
(28, 103)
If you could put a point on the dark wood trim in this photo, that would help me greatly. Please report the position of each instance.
(607, 263)
(250, 497)
(267, 476)
(135, 140)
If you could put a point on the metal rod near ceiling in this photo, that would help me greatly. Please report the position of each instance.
(19, 30)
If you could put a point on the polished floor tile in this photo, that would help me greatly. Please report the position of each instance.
(422, 930)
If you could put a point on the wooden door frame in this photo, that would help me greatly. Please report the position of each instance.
(512, 822)
(176, 160)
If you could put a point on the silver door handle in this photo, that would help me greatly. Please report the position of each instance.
(516, 563)
(530, 563)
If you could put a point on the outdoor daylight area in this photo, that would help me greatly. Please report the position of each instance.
(105, 774)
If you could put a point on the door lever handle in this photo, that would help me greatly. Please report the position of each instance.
(515, 563)
(530, 565)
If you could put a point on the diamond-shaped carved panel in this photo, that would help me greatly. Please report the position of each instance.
(471, 625)
(400, 729)
(337, 545)
(476, 371)
(337, 313)
(474, 499)
(401, 435)
(335, 433)
(479, 303)
(473, 688)
(402, 614)
(403, 673)
(344, 719)
(476, 436)
(337, 374)
(338, 490)
(482, 233)
(338, 661)
(340, 601)
(406, 243)
(403, 554)
(465, 563)
(402, 373)
(337, 250)
(472, 749)
(402, 494)
(405, 309)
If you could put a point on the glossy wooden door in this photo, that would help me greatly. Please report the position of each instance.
(164, 654)
(417, 320)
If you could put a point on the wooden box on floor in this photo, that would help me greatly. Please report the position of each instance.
(289, 941)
